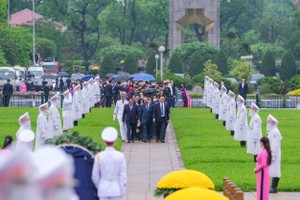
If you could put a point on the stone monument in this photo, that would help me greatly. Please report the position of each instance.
(203, 12)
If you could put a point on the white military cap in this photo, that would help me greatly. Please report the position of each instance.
(85, 83)
(91, 80)
(23, 118)
(109, 134)
(52, 167)
(66, 93)
(223, 88)
(97, 78)
(77, 87)
(55, 97)
(254, 107)
(241, 99)
(230, 93)
(272, 119)
(43, 106)
(216, 84)
(26, 138)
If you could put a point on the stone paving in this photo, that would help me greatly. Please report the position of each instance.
(147, 163)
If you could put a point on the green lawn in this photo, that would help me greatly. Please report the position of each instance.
(91, 126)
(206, 146)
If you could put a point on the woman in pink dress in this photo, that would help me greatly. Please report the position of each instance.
(263, 159)
(23, 88)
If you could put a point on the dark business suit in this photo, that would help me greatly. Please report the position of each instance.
(108, 95)
(130, 117)
(146, 120)
(243, 90)
(161, 120)
(7, 93)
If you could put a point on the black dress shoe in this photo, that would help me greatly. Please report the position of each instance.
(157, 140)
(128, 141)
(145, 141)
(162, 141)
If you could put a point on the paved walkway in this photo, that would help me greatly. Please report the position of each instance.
(147, 163)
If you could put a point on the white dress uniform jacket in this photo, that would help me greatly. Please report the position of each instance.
(54, 119)
(215, 100)
(109, 173)
(241, 125)
(77, 106)
(230, 114)
(209, 97)
(91, 94)
(67, 113)
(275, 144)
(205, 91)
(118, 112)
(223, 106)
(255, 134)
(96, 87)
(42, 130)
(85, 99)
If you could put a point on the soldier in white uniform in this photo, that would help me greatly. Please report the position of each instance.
(215, 100)
(42, 130)
(77, 106)
(53, 177)
(54, 119)
(118, 112)
(25, 140)
(223, 104)
(255, 132)
(109, 170)
(230, 112)
(210, 90)
(205, 88)
(96, 86)
(241, 125)
(67, 112)
(24, 121)
(85, 98)
(275, 144)
(91, 93)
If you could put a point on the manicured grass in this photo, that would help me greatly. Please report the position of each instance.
(206, 146)
(91, 126)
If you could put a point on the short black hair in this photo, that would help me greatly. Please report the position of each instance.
(8, 80)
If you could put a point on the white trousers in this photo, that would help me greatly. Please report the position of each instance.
(123, 128)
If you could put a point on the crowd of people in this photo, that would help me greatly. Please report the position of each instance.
(265, 150)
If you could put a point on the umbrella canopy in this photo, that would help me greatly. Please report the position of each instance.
(62, 74)
(109, 75)
(143, 77)
(48, 76)
(117, 78)
(149, 91)
(87, 77)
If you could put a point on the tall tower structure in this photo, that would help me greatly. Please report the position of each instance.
(203, 12)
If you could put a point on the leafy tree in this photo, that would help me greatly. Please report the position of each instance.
(240, 69)
(221, 61)
(46, 48)
(16, 45)
(130, 64)
(268, 66)
(151, 64)
(212, 70)
(196, 63)
(107, 66)
(3, 12)
(288, 66)
(272, 85)
(3, 61)
(175, 65)
(294, 83)
(119, 52)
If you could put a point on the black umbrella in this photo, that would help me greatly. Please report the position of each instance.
(48, 76)
(109, 75)
(117, 78)
(62, 74)
(149, 91)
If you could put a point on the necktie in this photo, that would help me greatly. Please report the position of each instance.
(147, 107)
(122, 101)
(130, 107)
(162, 110)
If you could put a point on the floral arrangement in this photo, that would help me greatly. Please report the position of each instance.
(195, 193)
(75, 138)
(181, 179)
(294, 93)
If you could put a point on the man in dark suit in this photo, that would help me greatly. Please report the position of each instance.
(146, 119)
(161, 117)
(130, 117)
(243, 88)
(108, 94)
(7, 93)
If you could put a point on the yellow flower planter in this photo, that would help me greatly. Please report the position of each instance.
(195, 193)
(184, 179)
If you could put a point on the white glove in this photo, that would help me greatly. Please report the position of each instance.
(56, 127)
(273, 158)
(114, 118)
